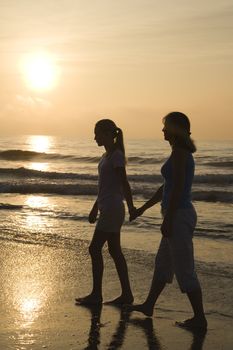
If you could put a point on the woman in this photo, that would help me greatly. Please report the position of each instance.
(113, 188)
(175, 254)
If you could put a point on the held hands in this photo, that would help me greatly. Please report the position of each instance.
(134, 213)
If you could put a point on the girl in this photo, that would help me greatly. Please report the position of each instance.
(175, 254)
(113, 187)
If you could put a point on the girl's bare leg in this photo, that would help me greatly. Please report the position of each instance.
(115, 251)
(95, 250)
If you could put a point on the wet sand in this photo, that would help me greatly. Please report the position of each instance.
(39, 284)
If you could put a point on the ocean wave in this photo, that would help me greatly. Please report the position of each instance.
(222, 179)
(21, 155)
(16, 155)
(48, 188)
(7, 206)
(220, 164)
(223, 232)
(31, 173)
(25, 155)
(144, 160)
(214, 234)
(213, 196)
(91, 189)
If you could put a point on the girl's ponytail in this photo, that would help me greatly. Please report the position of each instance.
(107, 125)
(120, 140)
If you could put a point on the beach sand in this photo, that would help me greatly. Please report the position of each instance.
(39, 285)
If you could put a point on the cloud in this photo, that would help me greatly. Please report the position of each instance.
(25, 106)
(32, 102)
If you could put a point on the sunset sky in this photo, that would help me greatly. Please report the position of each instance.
(67, 63)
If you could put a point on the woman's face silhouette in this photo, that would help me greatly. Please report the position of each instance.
(168, 135)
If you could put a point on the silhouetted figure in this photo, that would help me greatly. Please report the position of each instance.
(175, 254)
(113, 187)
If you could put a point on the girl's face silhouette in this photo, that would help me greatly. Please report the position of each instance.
(102, 138)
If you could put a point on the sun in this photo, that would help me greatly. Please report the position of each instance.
(40, 71)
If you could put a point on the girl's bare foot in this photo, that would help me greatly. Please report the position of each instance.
(194, 323)
(90, 299)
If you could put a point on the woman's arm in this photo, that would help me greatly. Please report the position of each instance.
(179, 157)
(93, 213)
(157, 197)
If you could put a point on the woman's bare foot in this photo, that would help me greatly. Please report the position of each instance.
(90, 299)
(121, 300)
(194, 323)
(143, 308)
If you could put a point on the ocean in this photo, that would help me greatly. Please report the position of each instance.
(48, 185)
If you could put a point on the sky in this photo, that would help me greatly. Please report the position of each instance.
(129, 60)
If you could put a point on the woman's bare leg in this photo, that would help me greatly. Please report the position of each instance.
(199, 319)
(147, 307)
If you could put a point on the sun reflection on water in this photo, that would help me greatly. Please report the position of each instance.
(37, 201)
(36, 219)
(39, 166)
(40, 143)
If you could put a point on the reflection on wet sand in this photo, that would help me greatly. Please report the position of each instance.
(28, 292)
(29, 309)
(38, 285)
(94, 333)
(146, 325)
(27, 285)
(118, 337)
(198, 339)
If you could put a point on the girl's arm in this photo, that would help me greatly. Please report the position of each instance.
(121, 172)
(179, 157)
